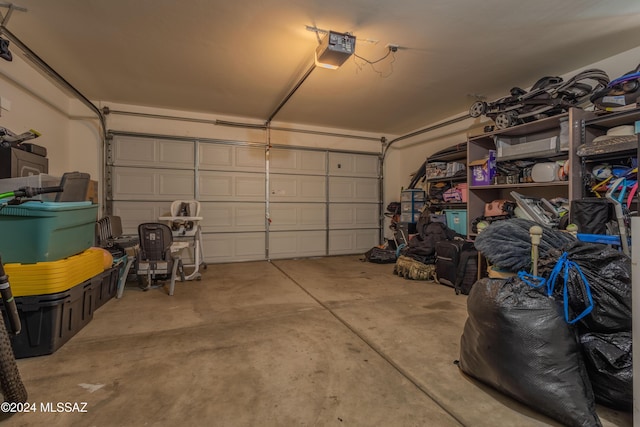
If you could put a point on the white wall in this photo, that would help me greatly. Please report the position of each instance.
(39, 105)
(281, 134)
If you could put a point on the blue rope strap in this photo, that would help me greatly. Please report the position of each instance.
(564, 266)
(531, 280)
(561, 269)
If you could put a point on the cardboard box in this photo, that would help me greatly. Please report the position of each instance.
(483, 170)
(464, 191)
(92, 192)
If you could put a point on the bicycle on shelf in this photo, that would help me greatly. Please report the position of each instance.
(11, 384)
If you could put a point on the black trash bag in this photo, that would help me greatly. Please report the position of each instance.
(608, 274)
(609, 363)
(591, 215)
(517, 341)
(378, 255)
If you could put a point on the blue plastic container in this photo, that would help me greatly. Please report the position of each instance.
(46, 231)
(457, 220)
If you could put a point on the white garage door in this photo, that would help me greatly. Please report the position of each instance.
(257, 203)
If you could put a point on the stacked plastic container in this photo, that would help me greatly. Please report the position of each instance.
(56, 277)
(411, 203)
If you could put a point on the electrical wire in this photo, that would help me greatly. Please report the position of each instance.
(389, 52)
(372, 63)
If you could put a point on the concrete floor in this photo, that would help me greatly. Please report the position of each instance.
(315, 342)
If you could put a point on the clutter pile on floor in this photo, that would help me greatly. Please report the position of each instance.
(558, 341)
(550, 326)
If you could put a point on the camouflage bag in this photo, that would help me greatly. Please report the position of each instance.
(410, 268)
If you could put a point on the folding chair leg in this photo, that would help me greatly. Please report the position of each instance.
(174, 272)
(149, 279)
(123, 279)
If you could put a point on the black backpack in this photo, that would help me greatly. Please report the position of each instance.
(422, 246)
(467, 273)
(457, 265)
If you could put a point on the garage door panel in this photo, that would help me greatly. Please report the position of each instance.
(343, 242)
(250, 158)
(232, 217)
(179, 185)
(343, 189)
(133, 182)
(293, 244)
(231, 247)
(250, 186)
(133, 151)
(215, 156)
(176, 153)
(297, 216)
(231, 157)
(312, 194)
(231, 186)
(298, 188)
(297, 161)
(353, 216)
(348, 164)
(149, 152)
(134, 213)
(216, 186)
(152, 184)
(367, 166)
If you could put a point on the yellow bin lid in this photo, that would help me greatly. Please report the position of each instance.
(54, 276)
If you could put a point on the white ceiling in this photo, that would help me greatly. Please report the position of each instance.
(242, 57)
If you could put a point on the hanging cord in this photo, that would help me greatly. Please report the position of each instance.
(563, 266)
(372, 63)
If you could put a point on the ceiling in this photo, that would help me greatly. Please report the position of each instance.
(243, 57)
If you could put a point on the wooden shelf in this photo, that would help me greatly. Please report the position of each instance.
(608, 120)
(461, 178)
(526, 128)
(447, 205)
(520, 185)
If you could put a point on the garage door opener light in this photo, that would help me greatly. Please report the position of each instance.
(334, 49)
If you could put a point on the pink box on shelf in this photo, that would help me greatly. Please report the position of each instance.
(464, 191)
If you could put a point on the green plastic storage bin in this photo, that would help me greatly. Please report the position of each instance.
(46, 231)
